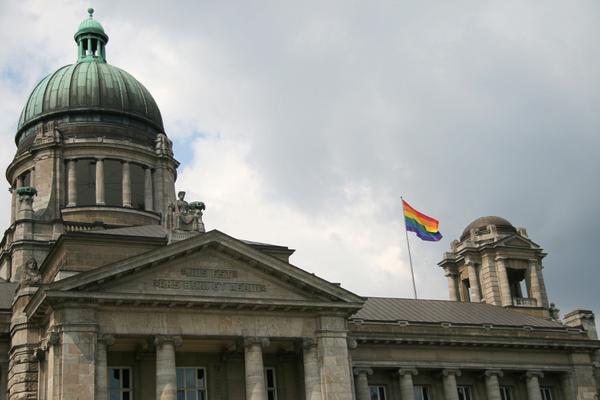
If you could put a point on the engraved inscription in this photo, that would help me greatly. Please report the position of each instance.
(208, 285)
(209, 273)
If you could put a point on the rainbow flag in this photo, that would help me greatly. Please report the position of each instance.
(425, 227)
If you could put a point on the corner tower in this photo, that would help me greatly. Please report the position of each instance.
(91, 154)
(495, 263)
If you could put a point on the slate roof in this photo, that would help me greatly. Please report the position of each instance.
(381, 309)
(157, 231)
(7, 294)
(154, 231)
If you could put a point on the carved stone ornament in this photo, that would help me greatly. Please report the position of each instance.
(256, 340)
(163, 146)
(53, 338)
(159, 340)
(31, 274)
(47, 134)
(184, 216)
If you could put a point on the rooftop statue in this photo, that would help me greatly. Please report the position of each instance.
(184, 216)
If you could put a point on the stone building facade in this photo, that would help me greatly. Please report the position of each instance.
(111, 288)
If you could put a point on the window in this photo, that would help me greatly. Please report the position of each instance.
(546, 393)
(271, 383)
(119, 384)
(506, 393)
(377, 392)
(191, 383)
(113, 183)
(85, 182)
(138, 186)
(422, 392)
(464, 393)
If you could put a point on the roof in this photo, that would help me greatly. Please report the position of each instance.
(154, 231)
(158, 231)
(7, 294)
(502, 225)
(381, 309)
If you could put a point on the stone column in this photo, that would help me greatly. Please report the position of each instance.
(312, 378)
(148, 203)
(100, 182)
(533, 385)
(126, 184)
(449, 378)
(255, 374)
(534, 283)
(566, 383)
(362, 383)
(452, 286)
(166, 379)
(102, 344)
(71, 184)
(505, 295)
(492, 385)
(407, 388)
(474, 282)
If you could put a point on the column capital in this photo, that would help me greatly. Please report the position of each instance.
(362, 370)
(408, 371)
(162, 339)
(308, 343)
(352, 343)
(501, 258)
(107, 339)
(256, 340)
(99, 158)
(533, 374)
(493, 372)
(451, 371)
(53, 338)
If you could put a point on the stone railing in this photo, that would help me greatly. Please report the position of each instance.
(524, 302)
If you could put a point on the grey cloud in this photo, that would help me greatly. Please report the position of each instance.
(466, 108)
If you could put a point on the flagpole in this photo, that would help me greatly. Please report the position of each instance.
(412, 272)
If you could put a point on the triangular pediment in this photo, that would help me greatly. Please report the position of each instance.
(517, 241)
(211, 266)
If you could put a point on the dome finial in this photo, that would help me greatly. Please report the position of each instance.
(91, 12)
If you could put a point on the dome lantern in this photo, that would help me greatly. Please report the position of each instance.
(91, 40)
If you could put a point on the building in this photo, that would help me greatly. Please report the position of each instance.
(113, 289)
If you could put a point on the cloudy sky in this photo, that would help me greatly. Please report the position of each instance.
(303, 122)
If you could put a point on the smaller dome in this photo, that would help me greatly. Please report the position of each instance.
(90, 26)
(502, 225)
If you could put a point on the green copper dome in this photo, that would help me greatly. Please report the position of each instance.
(90, 89)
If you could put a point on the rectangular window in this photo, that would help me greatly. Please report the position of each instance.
(422, 392)
(546, 393)
(191, 383)
(119, 383)
(506, 393)
(271, 383)
(377, 392)
(464, 393)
